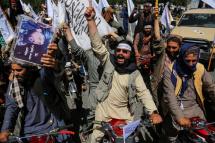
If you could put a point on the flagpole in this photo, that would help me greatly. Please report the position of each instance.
(211, 56)
(156, 6)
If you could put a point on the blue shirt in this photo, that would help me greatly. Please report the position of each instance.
(38, 119)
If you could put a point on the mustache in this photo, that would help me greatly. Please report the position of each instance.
(120, 57)
(17, 76)
(20, 78)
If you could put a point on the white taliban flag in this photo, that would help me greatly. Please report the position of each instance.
(29, 10)
(95, 4)
(210, 2)
(49, 8)
(130, 6)
(57, 12)
(5, 28)
(78, 22)
(166, 18)
(25, 7)
(104, 3)
(34, 15)
(129, 129)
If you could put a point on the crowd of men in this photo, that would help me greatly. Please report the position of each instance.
(152, 77)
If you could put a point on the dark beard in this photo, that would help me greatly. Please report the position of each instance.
(172, 57)
(20, 79)
(127, 67)
(147, 34)
(122, 57)
(146, 13)
(26, 80)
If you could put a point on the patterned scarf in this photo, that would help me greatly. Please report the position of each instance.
(17, 92)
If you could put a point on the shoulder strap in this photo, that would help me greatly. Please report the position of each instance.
(132, 77)
(198, 74)
(175, 79)
(105, 83)
(132, 100)
(173, 74)
(135, 106)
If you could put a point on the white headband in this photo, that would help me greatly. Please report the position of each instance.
(124, 46)
(147, 27)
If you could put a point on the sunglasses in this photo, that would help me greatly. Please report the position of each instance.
(123, 51)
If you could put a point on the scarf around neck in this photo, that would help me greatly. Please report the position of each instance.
(17, 92)
(123, 69)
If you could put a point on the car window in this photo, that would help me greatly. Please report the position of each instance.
(198, 20)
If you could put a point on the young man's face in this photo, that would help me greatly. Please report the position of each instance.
(122, 55)
(191, 60)
(147, 8)
(172, 49)
(147, 31)
(37, 37)
(18, 71)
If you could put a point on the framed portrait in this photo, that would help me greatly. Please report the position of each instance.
(32, 40)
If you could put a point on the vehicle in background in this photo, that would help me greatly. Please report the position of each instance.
(198, 26)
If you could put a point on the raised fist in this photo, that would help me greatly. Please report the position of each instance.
(90, 13)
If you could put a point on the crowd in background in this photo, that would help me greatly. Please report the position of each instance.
(154, 76)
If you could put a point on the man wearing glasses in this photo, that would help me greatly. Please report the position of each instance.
(120, 83)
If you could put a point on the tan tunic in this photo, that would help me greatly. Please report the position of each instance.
(116, 104)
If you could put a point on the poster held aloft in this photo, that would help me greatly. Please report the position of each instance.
(32, 41)
(5, 28)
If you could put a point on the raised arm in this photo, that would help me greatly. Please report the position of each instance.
(77, 51)
(136, 42)
(51, 70)
(97, 45)
(156, 24)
